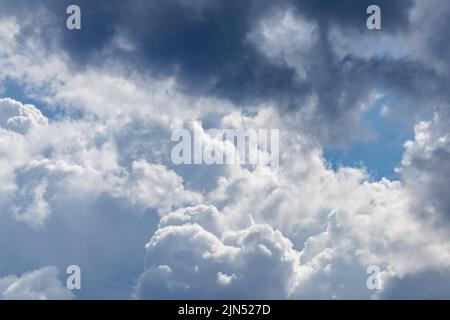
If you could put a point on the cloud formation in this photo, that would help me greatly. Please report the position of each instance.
(41, 284)
(86, 171)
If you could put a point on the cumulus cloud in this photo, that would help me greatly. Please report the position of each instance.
(325, 246)
(188, 261)
(58, 169)
(20, 118)
(41, 284)
(425, 166)
(154, 186)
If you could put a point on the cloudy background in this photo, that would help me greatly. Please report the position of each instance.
(86, 178)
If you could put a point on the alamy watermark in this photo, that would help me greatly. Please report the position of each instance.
(374, 282)
(73, 281)
(374, 20)
(227, 146)
(73, 21)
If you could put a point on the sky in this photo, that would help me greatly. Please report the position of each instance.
(87, 178)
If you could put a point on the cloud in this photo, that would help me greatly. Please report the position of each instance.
(94, 181)
(20, 118)
(235, 62)
(323, 248)
(187, 261)
(425, 166)
(154, 186)
(41, 284)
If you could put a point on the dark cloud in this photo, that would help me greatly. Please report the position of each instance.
(350, 13)
(205, 45)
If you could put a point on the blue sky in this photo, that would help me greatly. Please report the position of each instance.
(380, 153)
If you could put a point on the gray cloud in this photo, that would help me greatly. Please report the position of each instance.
(205, 45)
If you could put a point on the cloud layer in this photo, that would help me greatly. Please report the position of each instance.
(85, 125)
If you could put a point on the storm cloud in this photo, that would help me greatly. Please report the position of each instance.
(206, 46)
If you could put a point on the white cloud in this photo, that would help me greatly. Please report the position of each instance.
(41, 284)
(154, 186)
(425, 167)
(18, 117)
(191, 262)
(327, 227)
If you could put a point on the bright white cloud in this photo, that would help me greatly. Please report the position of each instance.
(20, 118)
(41, 284)
(189, 261)
(324, 247)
